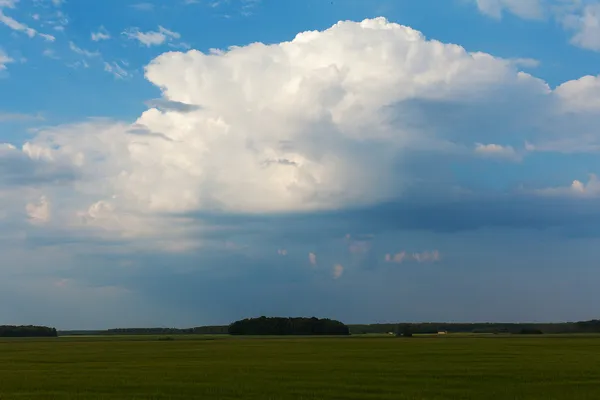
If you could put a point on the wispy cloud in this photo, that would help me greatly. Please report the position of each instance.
(244, 8)
(102, 34)
(8, 3)
(580, 17)
(38, 213)
(577, 188)
(403, 256)
(20, 27)
(152, 38)
(170, 105)
(312, 259)
(530, 9)
(397, 258)
(116, 70)
(11, 117)
(83, 52)
(338, 271)
(248, 7)
(50, 54)
(427, 256)
(497, 151)
(525, 62)
(4, 59)
(143, 6)
(79, 64)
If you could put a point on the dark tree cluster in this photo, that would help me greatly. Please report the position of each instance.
(288, 326)
(27, 331)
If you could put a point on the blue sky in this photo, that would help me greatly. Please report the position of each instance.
(181, 163)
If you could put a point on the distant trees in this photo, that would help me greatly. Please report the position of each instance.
(592, 326)
(147, 331)
(211, 330)
(287, 326)
(200, 330)
(27, 331)
(404, 330)
(530, 331)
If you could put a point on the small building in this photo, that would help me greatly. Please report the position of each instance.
(442, 333)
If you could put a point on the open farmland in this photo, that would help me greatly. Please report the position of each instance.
(205, 367)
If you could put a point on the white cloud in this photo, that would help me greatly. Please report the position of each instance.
(152, 38)
(586, 25)
(4, 59)
(18, 26)
(322, 122)
(338, 271)
(312, 259)
(581, 95)
(497, 151)
(102, 34)
(530, 9)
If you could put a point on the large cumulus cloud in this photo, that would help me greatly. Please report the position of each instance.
(359, 114)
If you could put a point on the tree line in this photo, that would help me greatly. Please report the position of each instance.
(199, 330)
(288, 326)
(592, 326)
(27, 331)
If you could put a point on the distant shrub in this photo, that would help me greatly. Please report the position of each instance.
(166, 338)
(530, 331)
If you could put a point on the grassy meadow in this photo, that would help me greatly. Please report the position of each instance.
(369, 367)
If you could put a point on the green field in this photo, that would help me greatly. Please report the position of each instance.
(453, 367)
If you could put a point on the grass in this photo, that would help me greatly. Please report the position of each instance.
(205, 367)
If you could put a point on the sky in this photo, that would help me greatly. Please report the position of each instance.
(192, 162)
